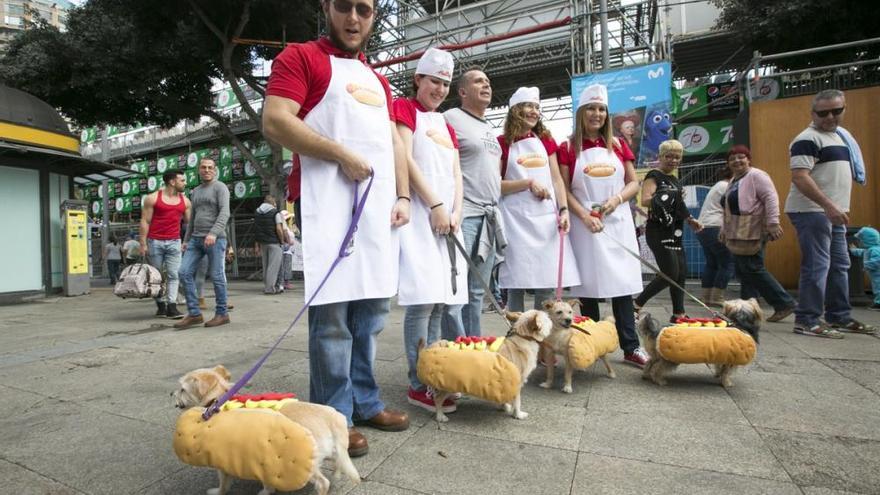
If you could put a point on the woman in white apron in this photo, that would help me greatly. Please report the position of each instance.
(534, 206)
(602, 181)
(432, 274)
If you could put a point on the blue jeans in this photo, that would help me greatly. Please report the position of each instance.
(195, 251)
(420, 322)
(624, 316)
(470, 312)
(452, 325)
(515, 298)
(756, 280)
(342, 349)
(719, 261)
(165, 256)
(824, 283)
(113, 270)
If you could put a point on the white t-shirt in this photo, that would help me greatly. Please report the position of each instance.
(712, 213)
(480, 157)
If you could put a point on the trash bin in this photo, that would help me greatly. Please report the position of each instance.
(856, 273)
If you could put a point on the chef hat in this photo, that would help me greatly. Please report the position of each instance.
(595, 93)
(526, 95)
(436, 63)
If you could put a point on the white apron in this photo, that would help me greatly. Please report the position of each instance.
(354, 113)
(425, 265)
(531, 260)
(606, 270)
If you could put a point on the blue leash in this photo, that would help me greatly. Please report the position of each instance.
(344, 251)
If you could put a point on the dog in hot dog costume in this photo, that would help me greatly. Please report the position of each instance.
(704, 340)
(475, 370)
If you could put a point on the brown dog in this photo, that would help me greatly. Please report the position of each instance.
(520, 348)
(558, 343)
(202, 387)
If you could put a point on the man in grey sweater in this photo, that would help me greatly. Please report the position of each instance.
(206, 236)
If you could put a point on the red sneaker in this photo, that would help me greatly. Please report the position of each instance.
(425, 400)
(638, 358)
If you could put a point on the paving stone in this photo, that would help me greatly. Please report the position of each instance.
(865, 373)
(19, 480)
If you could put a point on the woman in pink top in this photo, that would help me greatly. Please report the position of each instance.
(751, 193)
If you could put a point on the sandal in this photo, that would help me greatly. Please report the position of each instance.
(818, 330)
(854, 326)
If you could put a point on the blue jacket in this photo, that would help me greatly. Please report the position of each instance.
(869, 238)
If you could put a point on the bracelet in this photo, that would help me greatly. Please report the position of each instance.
(438, 204)
(562, 208)
(405, 197)
(619, 198)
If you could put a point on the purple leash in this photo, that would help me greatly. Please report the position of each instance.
(344, 251)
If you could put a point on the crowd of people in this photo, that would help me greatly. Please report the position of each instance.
(443, 183)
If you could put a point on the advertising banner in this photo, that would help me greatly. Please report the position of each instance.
(722, 98)
(690, 102)
(248, 188)
(166, 163)
(140, 167)
(640, 104)
(192, 158)
(225, 155)
(706, 138)
(192, 178)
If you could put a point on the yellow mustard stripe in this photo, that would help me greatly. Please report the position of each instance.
(46, 139)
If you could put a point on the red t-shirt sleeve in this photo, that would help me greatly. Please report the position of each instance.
(404, 112)
(387, 88)
(452, 136)
(549, 144)
(300, 73)
(623, 151)
(564, 157)
(505, 149)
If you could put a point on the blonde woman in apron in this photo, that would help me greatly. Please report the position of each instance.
(432, 274)
(602, 180)
(534, 206)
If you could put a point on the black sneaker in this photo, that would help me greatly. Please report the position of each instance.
(172, 312)
(161, 310)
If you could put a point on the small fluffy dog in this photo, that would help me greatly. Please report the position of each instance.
(746, 316)
(520, 348)
(202, 387)
(562, 315)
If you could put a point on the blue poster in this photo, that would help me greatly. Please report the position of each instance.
(640, 103)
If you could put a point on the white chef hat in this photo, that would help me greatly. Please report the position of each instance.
(595, 93)
(525, 95)
(436, 63)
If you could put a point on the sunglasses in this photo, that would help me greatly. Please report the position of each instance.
(344, 7)
(832, 111)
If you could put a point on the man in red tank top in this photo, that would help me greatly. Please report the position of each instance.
(161, 213)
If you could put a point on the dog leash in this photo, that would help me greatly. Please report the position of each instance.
(476, 272)
(345, 250)
(561, 251)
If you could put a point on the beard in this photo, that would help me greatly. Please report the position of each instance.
(336, 38)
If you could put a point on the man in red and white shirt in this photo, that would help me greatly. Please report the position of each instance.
(326, 104)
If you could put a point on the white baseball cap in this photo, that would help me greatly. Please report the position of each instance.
(595, 93)
(526, 95)
(436, 63)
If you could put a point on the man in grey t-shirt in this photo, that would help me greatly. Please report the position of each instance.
(822, 172)
(480, 157)
(206, 236)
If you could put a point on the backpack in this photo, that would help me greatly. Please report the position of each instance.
(139, 280)
(664, 205)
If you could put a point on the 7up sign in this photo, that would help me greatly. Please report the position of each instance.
(249, 188)
(706, 138)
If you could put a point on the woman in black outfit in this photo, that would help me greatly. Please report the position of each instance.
(663, 194)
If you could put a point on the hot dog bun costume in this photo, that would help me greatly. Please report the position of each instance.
(585, 348)
(696, 340)
(472, 366)
(530, 225)
(248, 440)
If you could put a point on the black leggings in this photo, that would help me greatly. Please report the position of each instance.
(622, 307)
(672, 263)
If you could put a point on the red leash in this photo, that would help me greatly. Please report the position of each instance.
(561, 251)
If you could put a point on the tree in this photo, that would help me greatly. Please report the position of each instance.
(125, 61)
(775, 27)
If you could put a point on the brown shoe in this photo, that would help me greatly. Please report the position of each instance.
(357, 443)
(202, 303)
(217, 320)
(781, 314)
(388, 420)
(189, 321)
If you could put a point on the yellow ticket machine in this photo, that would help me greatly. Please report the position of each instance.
(75, 248)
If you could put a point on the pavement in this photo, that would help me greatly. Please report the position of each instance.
(87, 379)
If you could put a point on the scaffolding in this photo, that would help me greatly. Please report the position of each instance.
(519, 42)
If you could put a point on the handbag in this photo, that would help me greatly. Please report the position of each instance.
(743, 234)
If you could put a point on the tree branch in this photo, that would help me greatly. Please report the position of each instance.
(254, 84)
(207, 22)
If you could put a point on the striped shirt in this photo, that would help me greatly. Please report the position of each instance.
(826, 156)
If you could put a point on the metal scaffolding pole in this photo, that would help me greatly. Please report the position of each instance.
(603, 26)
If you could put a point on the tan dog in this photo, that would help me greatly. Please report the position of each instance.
(746, 316)
(202, 387)
(558, 343)
(520, 348)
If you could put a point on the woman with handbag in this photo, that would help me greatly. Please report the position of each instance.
(751, 217)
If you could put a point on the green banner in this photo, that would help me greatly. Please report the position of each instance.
(248, 188)
(140, 167)
(192, 178)
(260, 148)
(226, 98)
(96, 208)
(167, 163)
(88, 135)
(153, 183)
(688, 100)
(113, 130)
(129, 187)
(122, 205)
(193, 157)
(225, 173)
(225, 155)
(705, 138)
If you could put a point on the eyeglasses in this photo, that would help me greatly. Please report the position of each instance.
(832, 111)
(344, 7)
